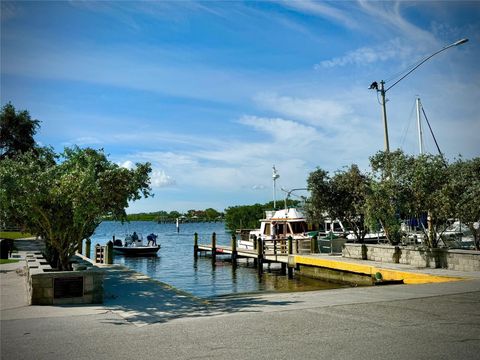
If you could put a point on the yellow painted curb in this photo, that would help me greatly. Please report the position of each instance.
(387, 274)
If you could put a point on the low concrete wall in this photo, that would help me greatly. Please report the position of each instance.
(48, 287)
(461, 260)
(335, 276)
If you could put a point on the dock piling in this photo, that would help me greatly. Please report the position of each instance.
(260, 255)
(255, 262)
(88, 245)
(234, 249)
(290, 252)
(195, 245)
(108, 259)
(214, 248)
(314, 244)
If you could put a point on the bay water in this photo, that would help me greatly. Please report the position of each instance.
(176, 266)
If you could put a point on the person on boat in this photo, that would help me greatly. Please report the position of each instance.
(152, 238)
(134, 236)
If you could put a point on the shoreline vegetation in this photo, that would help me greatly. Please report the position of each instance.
(208, 215)
(235, 217)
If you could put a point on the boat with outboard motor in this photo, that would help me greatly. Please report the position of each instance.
(133, 245)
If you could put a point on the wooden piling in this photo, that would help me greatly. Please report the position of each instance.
(255, 262)
(195, 245)
(88, 244)
(260, 255)
(290, 252)
(314, 244)
(108, 259)
(234, 249)
(214, 247)
(290, 245)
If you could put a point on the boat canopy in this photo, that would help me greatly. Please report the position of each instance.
(286, 214)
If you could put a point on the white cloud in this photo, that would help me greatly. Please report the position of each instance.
(393, 49)
(160, 179)
(316, 111)
(281, 130)
(84, 141)
(128, 164)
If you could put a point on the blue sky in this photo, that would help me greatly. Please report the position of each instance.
(215, 93)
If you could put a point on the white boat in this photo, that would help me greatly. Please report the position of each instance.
(457, 236)
(278, 224)
(337, 229)
(133, 246)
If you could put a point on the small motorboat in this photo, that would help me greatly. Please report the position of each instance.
(133, 246)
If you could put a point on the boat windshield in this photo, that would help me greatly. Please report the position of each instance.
(298, 227)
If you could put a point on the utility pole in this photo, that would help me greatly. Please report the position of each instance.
(382, 90)
(384, 115)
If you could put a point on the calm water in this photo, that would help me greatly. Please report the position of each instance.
(176, 266)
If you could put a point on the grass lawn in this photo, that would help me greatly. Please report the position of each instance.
(8, 261)
(14, 235)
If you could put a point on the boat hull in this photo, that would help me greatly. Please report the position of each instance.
(136, 250)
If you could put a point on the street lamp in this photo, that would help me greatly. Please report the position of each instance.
(382, 89)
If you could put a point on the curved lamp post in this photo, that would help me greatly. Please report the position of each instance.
(382, 89)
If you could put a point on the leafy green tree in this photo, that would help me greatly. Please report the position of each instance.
(173, 215)
(161, 216)
(212, 214)
(390, 192)
(17, 130)
(429, 179)
(243, 216)
(464, 193)
(64, 199)
(342, 197)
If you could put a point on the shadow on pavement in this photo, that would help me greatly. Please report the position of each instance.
(142, 300)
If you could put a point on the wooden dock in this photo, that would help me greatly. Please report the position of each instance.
(265, 251)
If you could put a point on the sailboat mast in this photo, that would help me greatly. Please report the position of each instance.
(419, 126)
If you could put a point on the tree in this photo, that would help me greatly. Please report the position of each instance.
(390, 192)
(64, 198)
(341, 197)
(243, 216)
(17, 130)
(212, 214)
(464, 192)
(429, 179)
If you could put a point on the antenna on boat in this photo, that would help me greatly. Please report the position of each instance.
(289, 192)
(275, 176)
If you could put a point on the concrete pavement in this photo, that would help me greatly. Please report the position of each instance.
(143, 318)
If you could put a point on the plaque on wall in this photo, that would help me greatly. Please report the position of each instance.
(68, 287)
